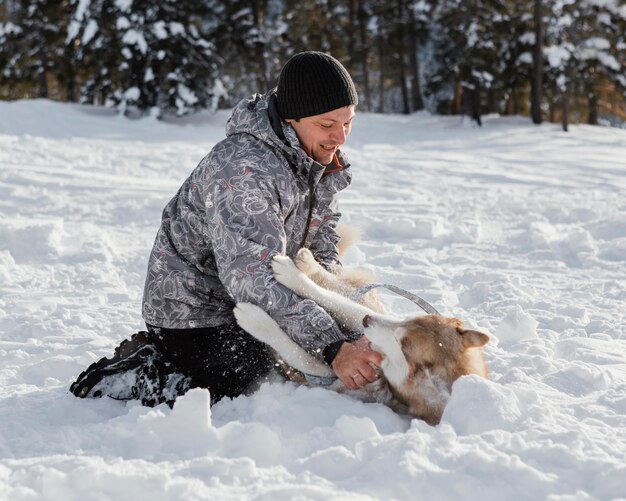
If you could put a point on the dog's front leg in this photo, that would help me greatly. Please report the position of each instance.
(286, 273)
(346, 312)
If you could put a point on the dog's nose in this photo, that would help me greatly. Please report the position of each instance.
(366, 320)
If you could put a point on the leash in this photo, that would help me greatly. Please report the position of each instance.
(427, 307)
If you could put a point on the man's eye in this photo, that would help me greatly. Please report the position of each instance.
(326, 126)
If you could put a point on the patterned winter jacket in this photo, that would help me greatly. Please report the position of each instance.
(252, 197)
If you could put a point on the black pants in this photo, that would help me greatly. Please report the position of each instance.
(225, 359)
(160, 365)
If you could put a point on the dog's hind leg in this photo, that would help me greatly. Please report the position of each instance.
(260, 325)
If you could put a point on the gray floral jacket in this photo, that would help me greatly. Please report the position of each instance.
(252, 197)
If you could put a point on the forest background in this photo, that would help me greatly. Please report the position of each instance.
(556, 60)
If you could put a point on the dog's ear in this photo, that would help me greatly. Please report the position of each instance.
(473, 339)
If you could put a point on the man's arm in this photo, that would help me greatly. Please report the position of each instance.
(246, 230)
(324, 243)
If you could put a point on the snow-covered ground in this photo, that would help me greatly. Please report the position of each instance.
(518, 230)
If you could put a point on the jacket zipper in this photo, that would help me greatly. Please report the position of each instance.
(310, 216)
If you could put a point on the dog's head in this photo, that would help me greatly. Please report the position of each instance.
(423, 356)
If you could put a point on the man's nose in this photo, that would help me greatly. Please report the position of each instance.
(339, 136)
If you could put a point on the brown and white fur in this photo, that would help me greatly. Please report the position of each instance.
(422, 356)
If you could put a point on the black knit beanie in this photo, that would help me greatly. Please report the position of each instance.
(312, 83)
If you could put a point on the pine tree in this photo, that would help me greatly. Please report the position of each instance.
(32, 45)
(143, 54)
(249, 40)
(418, 29)
(584, 51)
(93, 40)
(537, 81)
(515, 60)
(467, 51)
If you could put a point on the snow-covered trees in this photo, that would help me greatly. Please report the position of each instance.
(142, 54)
(585, 51)
(450, 56)
(249, 38)
(31, 43)
(477, 54)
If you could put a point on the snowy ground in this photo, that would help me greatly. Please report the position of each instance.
(518, 230)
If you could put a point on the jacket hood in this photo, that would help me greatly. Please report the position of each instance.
(251, 116)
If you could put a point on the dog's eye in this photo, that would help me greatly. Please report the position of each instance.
(428, 366)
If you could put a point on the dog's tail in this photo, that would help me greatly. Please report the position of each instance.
(349, 236)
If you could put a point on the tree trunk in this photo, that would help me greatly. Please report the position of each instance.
(470, 103)
(350, 37)
(537, 82)
(259, 45)
(381, 75)
(327, 29)
(512, 105)
(491, 101)
(43, 84)
(43, 76)
(70, 88)
(455, 107)
(406, 109)
(553, 102)
(508, 107)
(592, 118)
(417, 103)
(565, 106)
(363, 20)
(68, 78)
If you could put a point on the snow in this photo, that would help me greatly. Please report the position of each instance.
(176, 28)
(597, 43)
(159, 31)
(122, 23)
(132, 94)
(90, 31)
(9, 28)
(123, 5)
(558, 54)
(75, 22)
(518, 230)
(133, 37)
(186, 95)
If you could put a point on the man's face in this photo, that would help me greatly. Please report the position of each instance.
(321, 135)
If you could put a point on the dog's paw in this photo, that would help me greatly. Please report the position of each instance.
(254, 320)
(286, 273)
(245, 314)
(306, 263)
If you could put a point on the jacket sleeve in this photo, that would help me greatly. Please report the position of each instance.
(325, 241)
(246, 230)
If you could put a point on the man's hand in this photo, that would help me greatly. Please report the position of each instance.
(352, 363)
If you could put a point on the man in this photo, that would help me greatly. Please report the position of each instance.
(269, 188)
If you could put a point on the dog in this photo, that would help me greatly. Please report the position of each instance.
(422, 356)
